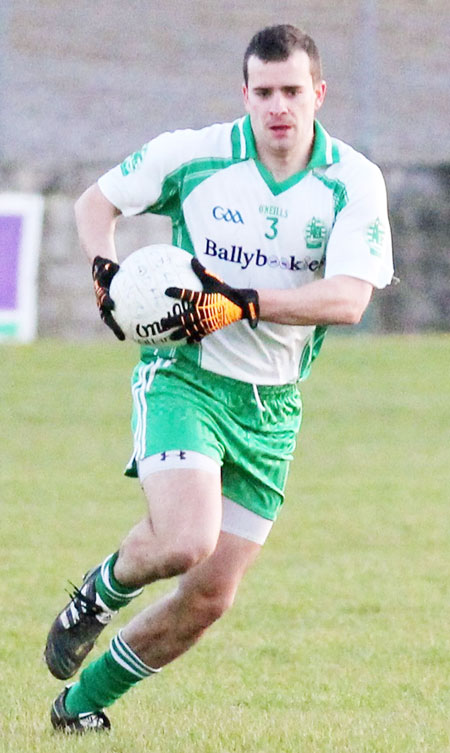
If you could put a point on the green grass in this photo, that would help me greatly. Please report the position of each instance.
(339, 641)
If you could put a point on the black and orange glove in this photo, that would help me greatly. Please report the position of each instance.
(103, 270)
(213, 308)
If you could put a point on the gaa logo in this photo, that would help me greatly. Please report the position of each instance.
(219, 213)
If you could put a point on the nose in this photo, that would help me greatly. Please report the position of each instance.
(278, 103)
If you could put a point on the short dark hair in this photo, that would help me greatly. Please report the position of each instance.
(275, 43)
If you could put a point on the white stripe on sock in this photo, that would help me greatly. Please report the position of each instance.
(126, 658)
(107, 583)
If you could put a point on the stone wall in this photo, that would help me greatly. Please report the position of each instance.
(420, 216)
(90, 82)
(85, 84)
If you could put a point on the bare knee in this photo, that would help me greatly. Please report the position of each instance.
(204, 607)
(178, 557)
(152, 559)
(211, 608)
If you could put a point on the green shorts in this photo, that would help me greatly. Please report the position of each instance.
(178, 406)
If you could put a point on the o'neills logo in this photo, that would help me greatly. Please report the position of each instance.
(148, 331)
(258, 258)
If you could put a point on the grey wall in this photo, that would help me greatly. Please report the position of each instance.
(84, 84)
(92, 81)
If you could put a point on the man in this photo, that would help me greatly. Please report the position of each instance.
(296, 223)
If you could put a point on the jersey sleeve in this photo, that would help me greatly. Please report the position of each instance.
(147, 179)
(136, 184)
(360, 242)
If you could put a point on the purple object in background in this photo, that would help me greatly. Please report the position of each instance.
(10, 235)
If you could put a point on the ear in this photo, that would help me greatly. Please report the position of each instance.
(320, 91)
(245, 95)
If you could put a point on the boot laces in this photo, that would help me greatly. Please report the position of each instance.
(82, 602)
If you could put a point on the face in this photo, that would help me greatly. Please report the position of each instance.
(282, 101)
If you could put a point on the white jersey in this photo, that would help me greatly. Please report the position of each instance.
(227, 209)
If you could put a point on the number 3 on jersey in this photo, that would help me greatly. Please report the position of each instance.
(273, 230)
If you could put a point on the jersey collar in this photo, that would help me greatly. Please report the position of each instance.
(324, 153)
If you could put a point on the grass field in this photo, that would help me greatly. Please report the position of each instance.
(339, 641)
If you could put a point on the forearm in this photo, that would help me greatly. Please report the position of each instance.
(96, 219)
(337, 300)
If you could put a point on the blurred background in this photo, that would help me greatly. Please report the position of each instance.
(85, 84)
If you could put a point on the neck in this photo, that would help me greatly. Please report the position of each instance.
(283, 165)
(282, 169)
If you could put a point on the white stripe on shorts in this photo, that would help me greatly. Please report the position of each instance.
(236, 519)
(147, 373)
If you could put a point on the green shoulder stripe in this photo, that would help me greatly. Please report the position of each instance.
(176, 188)
(338, 188)
(178, 184)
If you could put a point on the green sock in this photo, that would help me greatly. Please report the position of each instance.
(113, 594)
(106, 679)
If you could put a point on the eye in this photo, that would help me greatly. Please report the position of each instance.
(262, 93)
